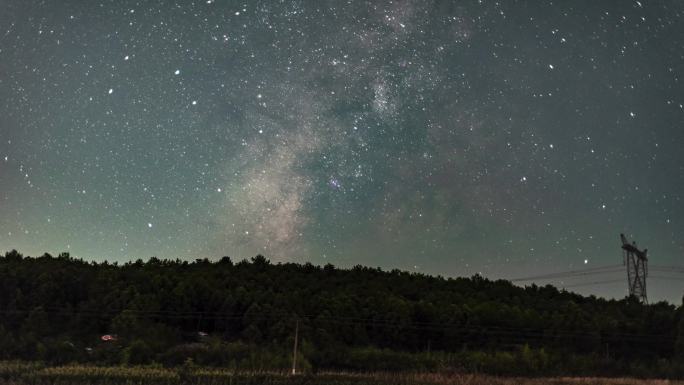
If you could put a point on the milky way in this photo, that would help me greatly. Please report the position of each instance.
(453, 138)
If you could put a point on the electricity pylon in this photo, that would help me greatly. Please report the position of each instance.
(637, 268)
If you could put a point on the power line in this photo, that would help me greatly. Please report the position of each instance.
(380, 323)
(370, 322)
(680, 279)
(595, 283)
(663, 270)
(671, 267)
(563, 274)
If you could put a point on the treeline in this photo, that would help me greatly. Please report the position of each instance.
(243, 315)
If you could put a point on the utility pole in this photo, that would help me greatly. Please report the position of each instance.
(294, 354)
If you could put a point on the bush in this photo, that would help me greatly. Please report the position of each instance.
(138, 353)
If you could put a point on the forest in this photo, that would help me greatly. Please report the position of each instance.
(243, 315)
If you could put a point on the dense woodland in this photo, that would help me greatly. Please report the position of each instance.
(243, 314)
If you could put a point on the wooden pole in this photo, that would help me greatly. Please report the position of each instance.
(294, 354)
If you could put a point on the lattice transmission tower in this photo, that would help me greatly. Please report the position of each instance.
(637, 268)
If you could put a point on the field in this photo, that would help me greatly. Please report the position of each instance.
(18, 373)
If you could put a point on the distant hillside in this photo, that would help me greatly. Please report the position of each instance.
(243, 314)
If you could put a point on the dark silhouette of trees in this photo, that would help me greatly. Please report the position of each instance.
(242, 314)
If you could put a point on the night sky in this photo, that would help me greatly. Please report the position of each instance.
(444, 137)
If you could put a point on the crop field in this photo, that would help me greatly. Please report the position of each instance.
(18, 373)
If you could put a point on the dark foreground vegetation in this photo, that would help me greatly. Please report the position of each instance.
(22, 373)
(242, 316)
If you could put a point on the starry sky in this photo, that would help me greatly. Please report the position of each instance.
(504, 138)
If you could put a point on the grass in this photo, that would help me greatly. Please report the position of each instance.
(28, 373)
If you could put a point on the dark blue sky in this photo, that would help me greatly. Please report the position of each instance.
(511, 139)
